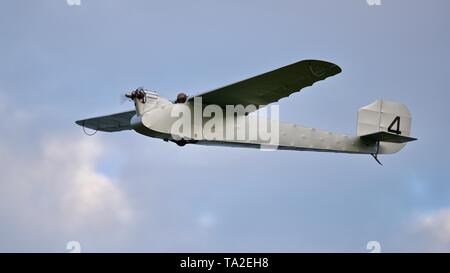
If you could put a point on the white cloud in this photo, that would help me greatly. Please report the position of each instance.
(55, 191)
(432, 229)
(87, 197)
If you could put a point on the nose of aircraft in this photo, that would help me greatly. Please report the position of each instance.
(139, 93)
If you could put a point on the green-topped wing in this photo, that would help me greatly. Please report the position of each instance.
(109, 123)
(271, 86)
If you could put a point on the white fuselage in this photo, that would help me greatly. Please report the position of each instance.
(155, 118)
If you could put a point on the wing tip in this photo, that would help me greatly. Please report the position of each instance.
(320, 67)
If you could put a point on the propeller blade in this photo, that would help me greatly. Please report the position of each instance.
(125, 97)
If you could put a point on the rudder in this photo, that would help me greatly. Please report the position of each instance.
(386, 122)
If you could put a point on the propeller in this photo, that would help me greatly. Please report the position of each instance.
(124, 97)
(139, 93)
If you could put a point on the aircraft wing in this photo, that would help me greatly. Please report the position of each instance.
(109, 123)
(271, 86)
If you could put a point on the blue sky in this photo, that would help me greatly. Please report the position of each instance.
(126, 192)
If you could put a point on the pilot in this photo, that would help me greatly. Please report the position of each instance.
(181, 98)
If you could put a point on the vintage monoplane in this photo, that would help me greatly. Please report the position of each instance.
(383, 127)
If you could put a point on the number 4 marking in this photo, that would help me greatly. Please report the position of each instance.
(396, 121)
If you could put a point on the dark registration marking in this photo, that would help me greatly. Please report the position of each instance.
(396, 121)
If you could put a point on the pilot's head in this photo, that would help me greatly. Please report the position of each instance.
(181, 98)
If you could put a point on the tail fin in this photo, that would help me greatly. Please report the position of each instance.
(387, 123)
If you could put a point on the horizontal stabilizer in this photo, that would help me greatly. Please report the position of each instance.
(387, 137)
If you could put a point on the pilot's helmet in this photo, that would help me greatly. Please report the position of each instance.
(181, 98)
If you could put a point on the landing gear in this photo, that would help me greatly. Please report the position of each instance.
(181, 142)
(375, 155)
